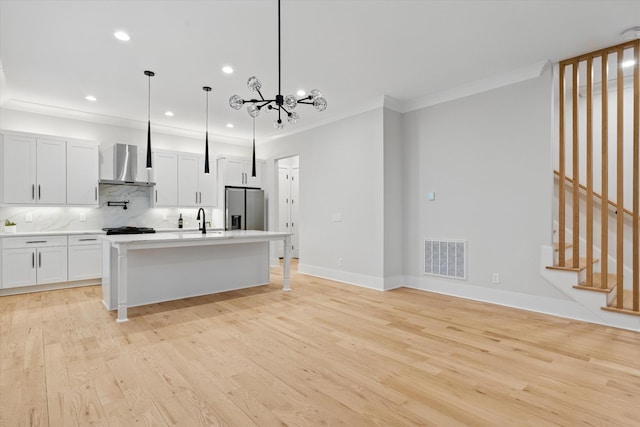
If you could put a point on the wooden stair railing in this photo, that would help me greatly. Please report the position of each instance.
(576, 133)
(597, 196)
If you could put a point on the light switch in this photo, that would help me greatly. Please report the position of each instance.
(431, 196)
(83, 216)
(28, 217)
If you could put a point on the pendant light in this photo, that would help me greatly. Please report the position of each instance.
(282, 104)
(149, 74)
(206, 89)
(253, 156)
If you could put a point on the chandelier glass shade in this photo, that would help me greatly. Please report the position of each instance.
(284, 105)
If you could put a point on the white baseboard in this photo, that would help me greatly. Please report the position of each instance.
(356, 279)
(556, 307)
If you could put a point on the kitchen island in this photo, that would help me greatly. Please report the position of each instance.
(141, 269)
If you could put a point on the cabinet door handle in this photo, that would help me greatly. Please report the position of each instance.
(39, 259)
(156, 196)
(87, 240)
(37, 241)
(39, 196)
(200, 192)
(33, 191)
(196, 197)
(33, 260)
(95, 191)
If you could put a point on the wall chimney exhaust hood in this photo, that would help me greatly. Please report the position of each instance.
(125, 167)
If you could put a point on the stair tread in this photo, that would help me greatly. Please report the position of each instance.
(596, 285)
(566, 246)
(627, 304)
(582, 264)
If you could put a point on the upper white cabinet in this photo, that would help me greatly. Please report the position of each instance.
(236, 172)
(195, 188)
(33, 170)
(207, 183)
(82, 173)
(181, 181)
(51, 171)
(188, 191)
(165, 175)
(39, 169)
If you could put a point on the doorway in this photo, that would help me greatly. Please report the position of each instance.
(288, 202)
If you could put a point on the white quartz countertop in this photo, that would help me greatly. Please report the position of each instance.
(51, 233)
(194, 236)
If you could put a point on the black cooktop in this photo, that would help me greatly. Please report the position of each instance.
(129, 230)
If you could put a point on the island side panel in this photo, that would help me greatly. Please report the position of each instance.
(156, 275)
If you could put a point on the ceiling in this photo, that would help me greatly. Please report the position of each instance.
(54, 53)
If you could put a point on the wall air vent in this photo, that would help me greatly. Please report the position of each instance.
(445, 258)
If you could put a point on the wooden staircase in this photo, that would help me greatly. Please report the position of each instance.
(595, 90)
(596, 285)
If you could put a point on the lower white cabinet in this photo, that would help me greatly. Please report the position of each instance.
(85, 257)
(30, 261)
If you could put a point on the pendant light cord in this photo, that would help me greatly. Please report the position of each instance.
(279, 56)
(207, 113)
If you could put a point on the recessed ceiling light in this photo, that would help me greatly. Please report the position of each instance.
(229, 125)
(628, 63)
(301, 93)
(631, 33)
(169, 113)
(121, 35)
(90, 98)
(227, 69)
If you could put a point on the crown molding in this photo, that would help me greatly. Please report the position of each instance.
(527, 72)
(68, 113)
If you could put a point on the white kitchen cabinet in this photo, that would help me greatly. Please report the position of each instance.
(82, 173)
(188, 191)
(165, 175)
(195, 188)
(18, 267)
(28, 261)
(85, 257)
(51, 171)
(207, 184)
(33, 170)
(236, 172)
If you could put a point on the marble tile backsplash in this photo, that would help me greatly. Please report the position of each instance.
(138, 213)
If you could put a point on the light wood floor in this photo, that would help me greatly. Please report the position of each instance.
(323, 354)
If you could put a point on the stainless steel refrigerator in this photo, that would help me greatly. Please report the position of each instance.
(244, 209)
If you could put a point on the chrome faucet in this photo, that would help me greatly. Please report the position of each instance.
(204, 221)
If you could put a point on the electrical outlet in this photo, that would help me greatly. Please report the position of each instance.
(496, 278)
(28, 217)
(340, 262)
(164, 216)
(83, 216)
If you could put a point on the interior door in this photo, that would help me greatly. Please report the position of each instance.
(295, 222)
(283, 203)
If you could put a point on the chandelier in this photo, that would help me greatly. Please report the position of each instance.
(283, 104)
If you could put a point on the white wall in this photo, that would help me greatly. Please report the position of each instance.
(341, 172)
(488, 159)
(393, 200)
